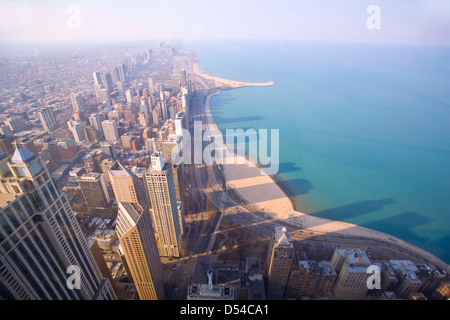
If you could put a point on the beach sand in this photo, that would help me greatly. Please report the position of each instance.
(230, 83)
(262, 192)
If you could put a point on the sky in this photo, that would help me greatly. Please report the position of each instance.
(420, 22)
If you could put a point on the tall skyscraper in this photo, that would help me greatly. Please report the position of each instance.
(135, 231)
(16, 123)
(183, 78)
(95, 120)
(180, 124)
(150, 85)
(77, 129)
(6, 130)
(107, 82)
(110, 130)
(279, 262)
(122, 71)
(41, 243)
(91, 135)
(47, 118)
(97, 78)
(94, 188)
(127, 186)
(77, 102)
(160, 186)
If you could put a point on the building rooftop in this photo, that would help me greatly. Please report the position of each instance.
(282, 237)
(5, 198)
(22, 155)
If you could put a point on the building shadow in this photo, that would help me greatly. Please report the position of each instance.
(353, 210)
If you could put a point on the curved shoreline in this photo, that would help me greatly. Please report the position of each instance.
(230, 83)
(256, 189)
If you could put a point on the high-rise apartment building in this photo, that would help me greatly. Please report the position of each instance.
(97, 78)
(91, 135)
(95, 120)
(107, 82)
(127, 186)
(16, 123)
(110, 130)
(108, 150)
(77, 102)
(351, 282)
(137, 240)
(279, 262)
(47, 118)
(95, 190)
(160, 186)
(77, 129)
(43, 250)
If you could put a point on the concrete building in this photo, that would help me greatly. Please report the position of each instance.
(95, 120)
(77, 129)
(127, 186)
(180, 123)
(16, 123)
(6, 144)
(47, 119)
(135, 231)
(77, 102)
(110, 130)
(351, 282)
(279, 262)
(408, 279)
(108, 150)
(210, 291)
(91, 135)
(41, 240)
(160, 186)
(95, 190)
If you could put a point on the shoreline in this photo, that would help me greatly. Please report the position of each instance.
(230, 83)
(265, 194)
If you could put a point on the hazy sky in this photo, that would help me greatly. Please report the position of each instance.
(402, 21)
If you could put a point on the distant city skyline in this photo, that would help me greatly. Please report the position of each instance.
(402, 21)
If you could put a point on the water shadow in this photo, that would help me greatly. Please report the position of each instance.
(353, 210)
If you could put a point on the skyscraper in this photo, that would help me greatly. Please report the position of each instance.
(183, 78)
(95, 120)
(47, 118)
(91, 135)
(97, 78)
(122, 71)
(94, 188)
(279, 262)
(107, 82)
(77, 102)
(127, 186)
(42, 245)
(180, 124)
(16, 123)
(77, 129)
(160, 186)
(135, 231)
(110, 130)
(108, 150)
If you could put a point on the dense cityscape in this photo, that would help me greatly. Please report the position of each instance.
(88, 181)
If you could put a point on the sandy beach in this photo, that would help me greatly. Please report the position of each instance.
(263, 193)
(230, 83)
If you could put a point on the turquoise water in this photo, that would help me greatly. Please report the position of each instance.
(364, 129)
